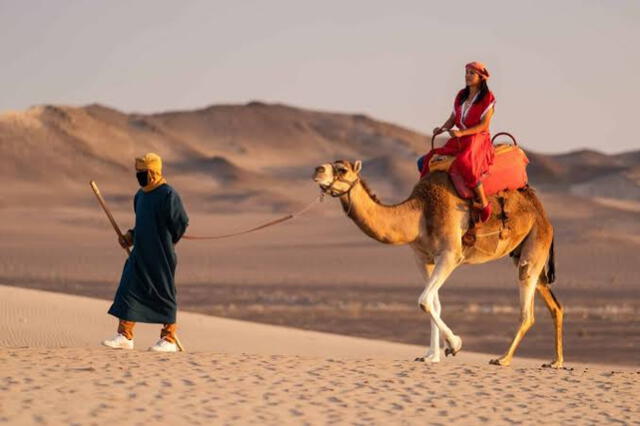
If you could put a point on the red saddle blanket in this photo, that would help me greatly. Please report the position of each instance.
(508, 171)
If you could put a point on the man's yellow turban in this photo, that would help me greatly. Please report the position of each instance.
(151, 162)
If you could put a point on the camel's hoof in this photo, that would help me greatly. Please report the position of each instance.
(427, 359)
(453, 349)
(557, 365)
(499, 362)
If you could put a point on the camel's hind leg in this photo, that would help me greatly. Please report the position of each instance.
(527, 291)
(557, 314)
(530, 263)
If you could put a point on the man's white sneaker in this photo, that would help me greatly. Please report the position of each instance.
(164, 346)
(119, 342)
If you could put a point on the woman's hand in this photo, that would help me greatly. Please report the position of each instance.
(437, 131)
(455, 133)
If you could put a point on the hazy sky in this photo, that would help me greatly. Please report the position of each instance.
(565, 73)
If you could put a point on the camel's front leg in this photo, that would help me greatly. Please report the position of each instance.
(433, 353)
(430, 303)
(426, 267)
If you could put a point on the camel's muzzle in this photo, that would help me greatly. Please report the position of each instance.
(322, 176)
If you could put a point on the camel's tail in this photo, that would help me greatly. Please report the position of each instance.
(551, 264)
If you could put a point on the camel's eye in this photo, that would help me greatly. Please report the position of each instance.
(341, 171)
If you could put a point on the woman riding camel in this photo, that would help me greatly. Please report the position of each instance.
(471, 143)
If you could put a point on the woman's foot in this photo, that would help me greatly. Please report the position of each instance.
(484, 213)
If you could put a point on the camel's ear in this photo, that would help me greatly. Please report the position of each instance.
(357, 166)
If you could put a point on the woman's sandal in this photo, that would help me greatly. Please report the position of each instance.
(485, 213)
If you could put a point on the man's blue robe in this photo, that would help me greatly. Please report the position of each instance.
(147, 291)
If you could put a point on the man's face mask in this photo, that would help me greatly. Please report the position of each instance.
(143, 177)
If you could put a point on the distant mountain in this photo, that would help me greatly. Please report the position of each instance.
(254, 136)
(256, 153)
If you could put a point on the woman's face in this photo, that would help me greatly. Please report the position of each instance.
(471, 77)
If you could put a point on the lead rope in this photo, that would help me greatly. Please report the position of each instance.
(259, 227)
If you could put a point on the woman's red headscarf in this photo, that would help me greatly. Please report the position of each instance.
(478, 67)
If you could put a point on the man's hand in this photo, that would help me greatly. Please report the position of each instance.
(126, 240)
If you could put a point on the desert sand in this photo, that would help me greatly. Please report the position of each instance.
(234, 372)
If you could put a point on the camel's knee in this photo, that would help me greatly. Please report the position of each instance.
(557, 311)
(427, 302)
(424, 305)
(527, 322)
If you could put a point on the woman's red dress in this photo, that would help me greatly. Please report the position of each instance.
(474, 153)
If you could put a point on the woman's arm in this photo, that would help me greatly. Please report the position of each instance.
(450, 122)
(446, 126)
(483, 126)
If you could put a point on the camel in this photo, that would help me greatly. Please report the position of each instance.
(433, 221)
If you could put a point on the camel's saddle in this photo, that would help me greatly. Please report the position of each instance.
(508, 171)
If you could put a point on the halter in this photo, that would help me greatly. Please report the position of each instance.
(329, 189)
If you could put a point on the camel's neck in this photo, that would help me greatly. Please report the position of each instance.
(398, 224)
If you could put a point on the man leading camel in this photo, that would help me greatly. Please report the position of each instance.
(147, 291)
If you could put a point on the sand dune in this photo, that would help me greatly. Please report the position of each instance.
(247, 149)
(243, 373)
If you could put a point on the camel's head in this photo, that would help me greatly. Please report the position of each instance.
(337, 178)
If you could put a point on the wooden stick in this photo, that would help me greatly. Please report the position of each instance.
(178, 343)
(107, 211)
